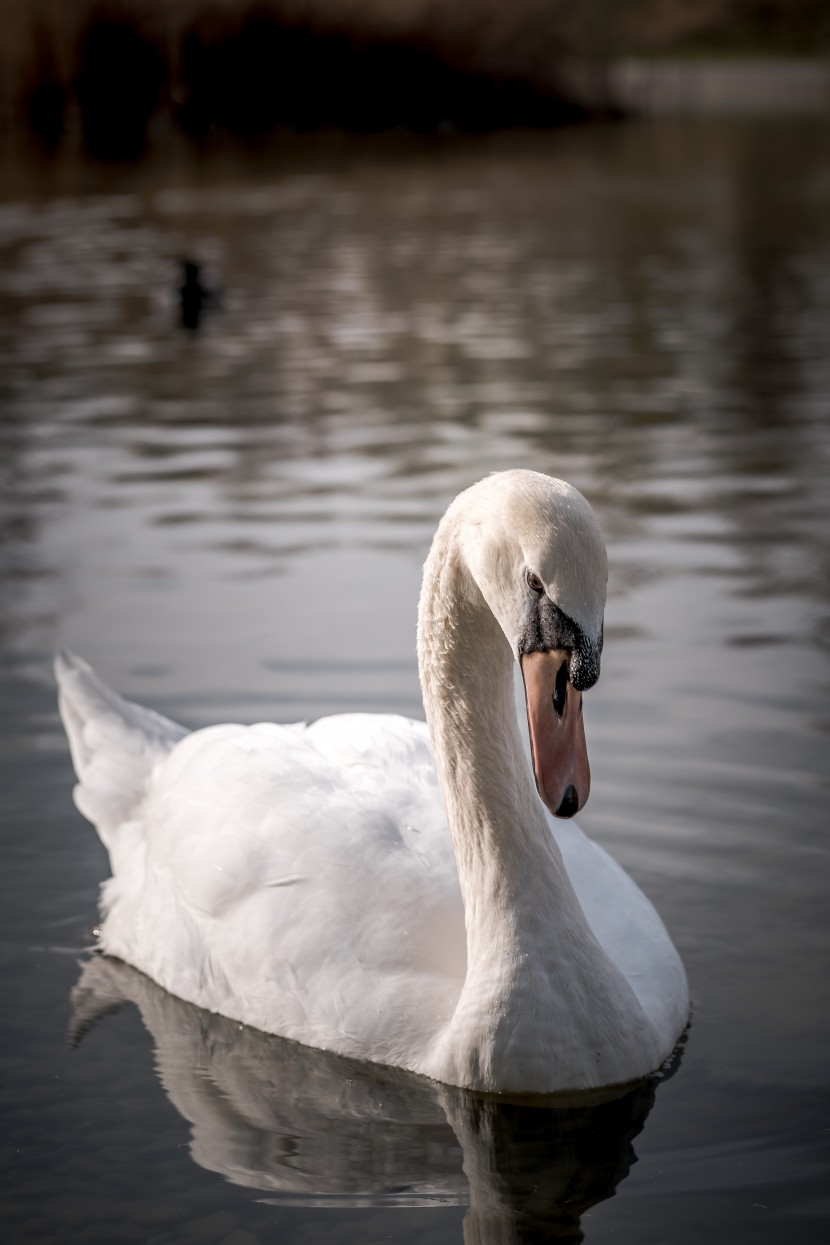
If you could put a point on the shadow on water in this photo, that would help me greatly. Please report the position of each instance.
(315, 1129)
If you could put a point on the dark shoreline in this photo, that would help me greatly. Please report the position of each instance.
(111, 70)
(113, 74)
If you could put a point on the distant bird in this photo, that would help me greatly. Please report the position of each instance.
(195, 295)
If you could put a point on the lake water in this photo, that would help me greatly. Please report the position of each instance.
(230, 523)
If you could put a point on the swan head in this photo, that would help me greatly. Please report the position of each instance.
(534, 548)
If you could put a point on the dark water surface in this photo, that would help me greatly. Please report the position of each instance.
(230, 523)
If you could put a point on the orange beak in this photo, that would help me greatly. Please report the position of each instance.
(557, 732)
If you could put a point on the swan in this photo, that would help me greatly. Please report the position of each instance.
(392, 890)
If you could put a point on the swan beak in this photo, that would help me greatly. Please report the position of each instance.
(557, 732)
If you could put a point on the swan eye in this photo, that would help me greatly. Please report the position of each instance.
(534, 582)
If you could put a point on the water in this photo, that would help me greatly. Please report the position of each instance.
(230, 524)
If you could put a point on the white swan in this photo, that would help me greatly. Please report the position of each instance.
(301, 879)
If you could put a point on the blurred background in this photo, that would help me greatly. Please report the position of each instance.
(118, 73)
(277, 280)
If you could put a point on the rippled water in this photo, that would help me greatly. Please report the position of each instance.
(231, 523)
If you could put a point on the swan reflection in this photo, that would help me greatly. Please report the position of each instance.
(317, 1129)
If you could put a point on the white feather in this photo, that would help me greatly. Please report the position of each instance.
(303, 880)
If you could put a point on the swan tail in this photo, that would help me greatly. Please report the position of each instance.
(115, 744)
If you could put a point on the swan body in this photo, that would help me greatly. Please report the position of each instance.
(391, 890)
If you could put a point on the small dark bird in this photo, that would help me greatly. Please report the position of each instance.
(195, 295)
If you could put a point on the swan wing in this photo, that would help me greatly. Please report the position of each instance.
(299, 878)
(628, 928)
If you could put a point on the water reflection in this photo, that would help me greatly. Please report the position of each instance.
(635, 316)
(317, 1129)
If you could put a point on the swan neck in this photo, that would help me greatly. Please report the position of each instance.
(498, 826)
(541, 1006)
